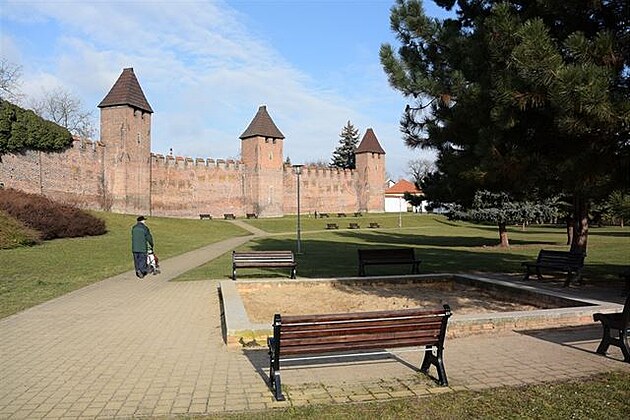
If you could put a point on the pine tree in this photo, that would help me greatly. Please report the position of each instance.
(343, 156)
(528, 98)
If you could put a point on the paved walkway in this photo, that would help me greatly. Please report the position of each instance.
(125, 347)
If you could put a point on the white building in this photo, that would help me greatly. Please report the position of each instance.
(395, 198)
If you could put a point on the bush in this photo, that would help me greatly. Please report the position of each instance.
(52, 219)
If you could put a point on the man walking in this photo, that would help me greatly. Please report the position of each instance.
(141, 239)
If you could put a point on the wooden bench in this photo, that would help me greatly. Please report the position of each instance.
(564, 261)
(322, 215)
(617, 321)
(341, 214)
(332, 226)
(358, 214)
(228, 216)
(334, 333)
(374, 225)
(387, 256)
(251, 215)
(353, 226)
(205, 216)
(263, 259)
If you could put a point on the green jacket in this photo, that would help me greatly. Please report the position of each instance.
(140, 237)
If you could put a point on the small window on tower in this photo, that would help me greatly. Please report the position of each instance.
(138, 138)
(274, 141)
(270, 155)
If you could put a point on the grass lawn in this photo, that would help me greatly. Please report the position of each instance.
(32, 275)
(605, 397)
(442, 245)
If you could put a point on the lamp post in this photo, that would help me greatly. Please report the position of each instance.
(298, 171)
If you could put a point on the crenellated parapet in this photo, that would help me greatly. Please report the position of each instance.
(186, 162)
(82, 145)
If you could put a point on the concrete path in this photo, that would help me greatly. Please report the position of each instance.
(125, 347)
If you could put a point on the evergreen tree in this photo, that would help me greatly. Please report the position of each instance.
(501, 210)
(21, 129)
(529, 98)
(343, 156)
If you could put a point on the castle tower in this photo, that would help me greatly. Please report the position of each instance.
(370, 167)
(261, 153)
(126, 134)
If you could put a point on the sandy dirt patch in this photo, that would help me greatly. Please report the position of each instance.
(263, 300)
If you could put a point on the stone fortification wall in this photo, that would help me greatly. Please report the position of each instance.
(187, 187)
(321, 189)
(74, 176)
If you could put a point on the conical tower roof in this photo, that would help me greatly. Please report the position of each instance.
(370, 143)
(262, 125)
(126, 91)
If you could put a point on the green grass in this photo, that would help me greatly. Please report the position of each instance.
(31, 275)
(605, 397)
(442, 245)
(14, 234)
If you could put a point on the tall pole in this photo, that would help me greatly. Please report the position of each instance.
(298, 171)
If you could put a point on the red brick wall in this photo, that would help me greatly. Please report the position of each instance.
(321, 189)
(186, 187)
(73, 176)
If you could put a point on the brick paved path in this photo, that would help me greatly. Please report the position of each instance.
(126, 347)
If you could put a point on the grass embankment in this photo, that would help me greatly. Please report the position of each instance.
(605, 397)
(14, 234)
(31, 275)
(442, 245)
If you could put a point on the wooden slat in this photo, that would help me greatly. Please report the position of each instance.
(426, 336)
(374, 315)
(359, 329)
(378, 344)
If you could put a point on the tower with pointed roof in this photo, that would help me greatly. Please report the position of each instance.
(370, 167)
(126, 134)
(262, 155)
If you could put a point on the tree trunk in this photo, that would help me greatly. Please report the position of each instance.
(503, 236)
(580, 225)
(569, 223)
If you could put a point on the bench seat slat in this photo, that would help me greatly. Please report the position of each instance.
(376, 344)
(359, 329)
(364, 316)
(424, 336)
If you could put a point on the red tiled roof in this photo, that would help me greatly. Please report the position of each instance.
(262, 125)
(126, 91)
(403, 186)
(370, 143)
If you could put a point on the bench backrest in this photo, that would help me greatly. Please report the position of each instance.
(263, 256)
(387, 254)
(560, 257)
(305, 334)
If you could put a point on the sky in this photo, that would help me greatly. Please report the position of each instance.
(206, 66)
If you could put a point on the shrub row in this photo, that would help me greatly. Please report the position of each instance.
(52, 219)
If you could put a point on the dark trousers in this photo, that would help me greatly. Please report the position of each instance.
(140, 262)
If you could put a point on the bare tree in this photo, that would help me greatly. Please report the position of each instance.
(10, 75)
(65, 109)
(418, 169)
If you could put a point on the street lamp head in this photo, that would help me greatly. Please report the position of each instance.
(297, 169)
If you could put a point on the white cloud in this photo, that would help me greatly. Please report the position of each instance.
(205, 75)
